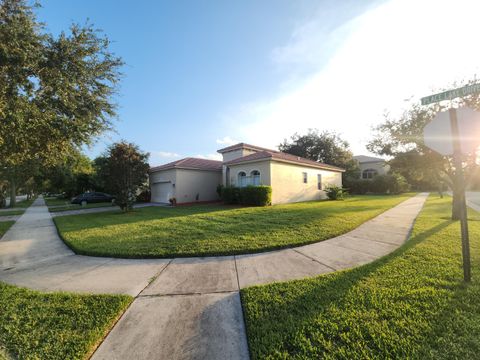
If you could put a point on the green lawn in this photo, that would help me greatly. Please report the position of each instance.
(79, 207)
(4, 226)
(53, 201)
(11, 212)
(35, 325)
(24, 204)
(411, 304)
(19, 208)
(216, 230)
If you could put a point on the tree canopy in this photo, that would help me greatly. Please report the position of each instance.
(56, 92)
(402, 139)
(326, 147)
(124, 168)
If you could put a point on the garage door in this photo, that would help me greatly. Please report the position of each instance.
(161, 192)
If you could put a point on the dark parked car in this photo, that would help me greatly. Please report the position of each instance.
(92, 197)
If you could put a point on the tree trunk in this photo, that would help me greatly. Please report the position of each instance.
(13, 193)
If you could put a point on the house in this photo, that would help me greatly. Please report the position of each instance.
(292, 178)
(371, 166)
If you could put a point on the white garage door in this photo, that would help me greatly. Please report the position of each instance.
(161, 192)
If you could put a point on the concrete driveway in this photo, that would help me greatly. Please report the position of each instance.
(185, 308)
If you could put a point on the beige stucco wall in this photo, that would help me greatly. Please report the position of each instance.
(162, 176)
(288, 186)
(381, 167)
(262, 166)
(189, 183)
(232, 155)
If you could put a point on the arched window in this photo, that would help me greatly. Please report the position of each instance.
(369, 173)
(242, 179)
(255, 177)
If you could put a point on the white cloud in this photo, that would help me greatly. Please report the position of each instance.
(227, 140)
(162, 157)
(213, 156)
(400, 50)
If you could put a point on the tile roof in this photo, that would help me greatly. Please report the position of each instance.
(365, 159)
(284, 157)
(191, 163)
(242, 146)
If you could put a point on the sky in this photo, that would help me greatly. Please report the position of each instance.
(202, 75)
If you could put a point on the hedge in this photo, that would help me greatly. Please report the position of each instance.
(380, 184)
(250, 195)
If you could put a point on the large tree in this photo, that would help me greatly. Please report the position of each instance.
(125, 169)
(326, 147)
(402, 139)
(56, 92)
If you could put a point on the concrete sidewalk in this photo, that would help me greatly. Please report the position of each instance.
(190, 307)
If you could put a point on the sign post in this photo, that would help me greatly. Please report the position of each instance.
(460, 183)
(454, 138)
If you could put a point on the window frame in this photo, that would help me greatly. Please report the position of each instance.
(305, 177)
(255, 177)
(319, 182)
(369, 174)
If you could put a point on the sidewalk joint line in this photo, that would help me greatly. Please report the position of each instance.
(313, 259)
(236, 271)
(189, 293)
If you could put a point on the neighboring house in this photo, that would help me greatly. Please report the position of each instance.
(292, 178)
(371, 166)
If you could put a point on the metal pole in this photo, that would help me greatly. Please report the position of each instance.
(460, 183)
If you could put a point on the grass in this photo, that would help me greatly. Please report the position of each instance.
(35, 325)
(11, 212)
(19, 208)
(4, 226)
(216, 230)
(79, 207)
(54, 201)
(411, 304)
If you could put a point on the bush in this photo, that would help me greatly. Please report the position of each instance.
(381, 184)
(256, 195)
(250, 195)
(358, 186)
(335, 192)
(144, 196)
(230, 195)
(219, 190)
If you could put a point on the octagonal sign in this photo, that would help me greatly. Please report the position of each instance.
(437, 133)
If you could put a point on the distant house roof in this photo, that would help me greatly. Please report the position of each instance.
(191, 163)
(367, 159)
(242, 146)
(283, 157)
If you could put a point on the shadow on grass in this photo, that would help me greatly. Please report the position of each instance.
(298, 304)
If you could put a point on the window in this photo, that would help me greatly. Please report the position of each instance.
(255, 178)
(369, 173)
(305, 178)
(319, 181)
(242, 179)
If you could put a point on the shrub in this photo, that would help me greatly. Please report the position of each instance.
(393, 183)
(256, 195)
(380, 184)
(219, 190)
(230, 195)
(398, 184)
(144, 196)
(358, 186)
(335, 192)
(250, 195)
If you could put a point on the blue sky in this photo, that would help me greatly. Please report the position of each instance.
(201, 75)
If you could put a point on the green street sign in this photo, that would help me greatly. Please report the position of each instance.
(451, 94)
